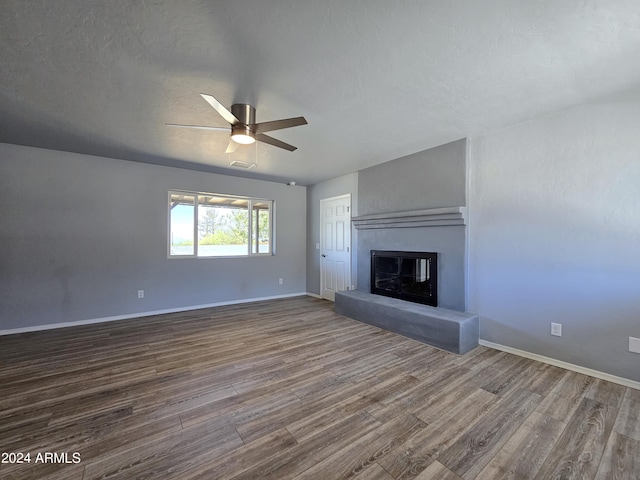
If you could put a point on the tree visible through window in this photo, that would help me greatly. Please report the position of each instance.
(209, 225)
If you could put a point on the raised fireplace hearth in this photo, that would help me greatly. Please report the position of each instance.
(455, 332)
(411, 276)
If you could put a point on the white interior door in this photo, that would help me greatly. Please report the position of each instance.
(335, 245)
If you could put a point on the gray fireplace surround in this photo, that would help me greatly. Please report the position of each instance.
(437, 230)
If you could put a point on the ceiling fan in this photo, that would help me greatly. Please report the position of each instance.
(244, 129)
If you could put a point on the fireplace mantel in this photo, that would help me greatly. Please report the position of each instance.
(433, 217)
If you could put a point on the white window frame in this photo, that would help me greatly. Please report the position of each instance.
(250, 202)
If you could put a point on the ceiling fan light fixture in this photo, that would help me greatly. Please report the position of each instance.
(242, 138)
(242, 134)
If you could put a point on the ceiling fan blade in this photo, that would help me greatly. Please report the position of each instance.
(201, 127)
(221, 109)
(279, 124)
(275, 142)
(231, 147)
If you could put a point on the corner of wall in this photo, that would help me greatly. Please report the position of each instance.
(467, 200)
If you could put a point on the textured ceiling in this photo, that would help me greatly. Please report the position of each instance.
(375, 79)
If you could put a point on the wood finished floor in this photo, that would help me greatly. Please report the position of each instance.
(289, 389)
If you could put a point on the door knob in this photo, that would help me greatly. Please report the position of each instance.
(323, 255)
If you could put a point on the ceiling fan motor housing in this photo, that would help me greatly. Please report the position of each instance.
(245, 113)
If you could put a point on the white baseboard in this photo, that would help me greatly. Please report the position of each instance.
(37, 328)
(314, 295)
(567, 366)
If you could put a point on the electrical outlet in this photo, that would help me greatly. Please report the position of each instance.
(556, 329)
(634, 345)
(317, 246)
(280, 281)
(140, 293)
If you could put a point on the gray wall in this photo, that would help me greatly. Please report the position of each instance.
(79, 235)
(429, 179)
(330, 188)
(555, 235)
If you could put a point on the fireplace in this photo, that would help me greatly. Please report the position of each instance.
(411, 276)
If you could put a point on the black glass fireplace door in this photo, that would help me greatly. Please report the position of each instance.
(410, 276)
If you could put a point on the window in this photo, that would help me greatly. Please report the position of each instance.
(212, 225)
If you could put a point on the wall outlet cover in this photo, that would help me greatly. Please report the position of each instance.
(634, 345)
(556, 329)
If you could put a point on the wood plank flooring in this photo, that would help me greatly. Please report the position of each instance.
(287, 389)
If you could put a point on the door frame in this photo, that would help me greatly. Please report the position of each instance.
(322, 240)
